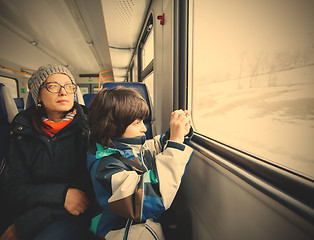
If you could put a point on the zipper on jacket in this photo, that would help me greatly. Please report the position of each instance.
(154, 234)
(142, 157)
(127, 229)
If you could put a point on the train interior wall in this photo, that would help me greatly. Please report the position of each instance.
(214, 204)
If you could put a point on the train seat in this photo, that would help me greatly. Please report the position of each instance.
(29, 101)
(142, 89)
(88, 97)
(19, 104)
(8, 110)
(79, 96)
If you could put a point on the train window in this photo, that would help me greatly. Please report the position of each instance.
(11, 84)
(131, 73)
(84, 89)
(146, 57)
(148, 50)
(95, 89)
(88, 88)
(252, 68)
(149, 81)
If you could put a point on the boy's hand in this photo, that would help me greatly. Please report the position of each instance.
(187, 126)
(179, 125)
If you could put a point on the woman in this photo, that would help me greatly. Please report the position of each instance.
(46, 181)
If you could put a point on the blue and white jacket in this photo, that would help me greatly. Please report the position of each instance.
(132, 200)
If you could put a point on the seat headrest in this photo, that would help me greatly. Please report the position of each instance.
(88, 97)
(3, 110)
(7, 105)
(19, 102)
(140, 87)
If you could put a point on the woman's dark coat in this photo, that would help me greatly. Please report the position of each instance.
(40, 169)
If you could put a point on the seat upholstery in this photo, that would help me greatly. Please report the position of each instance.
(4, 125)
(30, 100)
(19, 104)
(142, 89)
(8, 111)
(88, 97)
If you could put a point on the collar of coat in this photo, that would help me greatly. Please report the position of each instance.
(23, 118)
(119, 144)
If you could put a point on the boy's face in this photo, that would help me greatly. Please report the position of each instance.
(135, 129)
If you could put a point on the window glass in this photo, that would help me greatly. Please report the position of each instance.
(84, 89)
(88, 88)
(147, 58)
(11, 84)
(95, 89)
(148, 50)
(252, 76)
(149, 81)
(131, 73)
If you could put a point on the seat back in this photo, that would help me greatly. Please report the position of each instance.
(7, 112)
(4, 125)
(30, 100)
(142, 89)
(88, 97)
(19, 104)
(3, 111)
(79, 96)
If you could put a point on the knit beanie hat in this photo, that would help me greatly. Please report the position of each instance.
(40, 76)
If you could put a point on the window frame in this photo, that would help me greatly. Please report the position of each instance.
(89, 85)
(142, 74)
(181, 54)
(286, 186)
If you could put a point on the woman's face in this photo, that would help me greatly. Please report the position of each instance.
(56, 103)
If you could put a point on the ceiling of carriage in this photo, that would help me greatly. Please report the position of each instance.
(76, 33)
(124, 21)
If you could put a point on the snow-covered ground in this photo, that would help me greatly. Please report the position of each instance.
(275, 123)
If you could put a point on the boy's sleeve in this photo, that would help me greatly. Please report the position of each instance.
(165, 137)
(171, 164)
(142, 196)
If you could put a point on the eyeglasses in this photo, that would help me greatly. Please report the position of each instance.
(56, 87)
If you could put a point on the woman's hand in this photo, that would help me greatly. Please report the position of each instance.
(75, 202)
(179, 125)
(10, 234)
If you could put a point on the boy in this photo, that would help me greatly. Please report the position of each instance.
(134, 180)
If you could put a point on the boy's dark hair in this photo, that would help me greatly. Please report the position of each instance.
(112, 111)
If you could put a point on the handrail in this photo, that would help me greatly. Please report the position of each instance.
(11, 69)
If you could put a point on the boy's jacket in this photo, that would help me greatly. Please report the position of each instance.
(130, 198)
